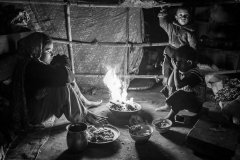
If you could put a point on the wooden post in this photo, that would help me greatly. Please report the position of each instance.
(69, 35)
(127, 48)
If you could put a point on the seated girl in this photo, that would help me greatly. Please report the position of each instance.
(43, 88)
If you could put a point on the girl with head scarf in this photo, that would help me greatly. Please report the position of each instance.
(43, 86)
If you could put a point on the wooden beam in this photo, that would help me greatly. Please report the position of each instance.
(111, 44)
(69, 35)
(126, 59)
(221, 72)
(35, 2)
(122, 76)
(81, 4)
(158, 76)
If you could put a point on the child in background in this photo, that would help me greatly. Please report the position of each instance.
(180, 33)
(189, 82)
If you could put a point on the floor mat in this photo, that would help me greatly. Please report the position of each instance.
(27, 146)
(141, 84)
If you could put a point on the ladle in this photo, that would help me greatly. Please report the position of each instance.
(129, 128)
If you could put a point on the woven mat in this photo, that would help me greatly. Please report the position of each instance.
(27, 146)
(141, 84)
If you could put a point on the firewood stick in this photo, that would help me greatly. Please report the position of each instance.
(116, 103)
(121, 103)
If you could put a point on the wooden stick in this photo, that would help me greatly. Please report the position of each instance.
(118, 103)
(124, 76)
(221, 72)
(158, 76)
(81, 4)
(69, 35)
(111, 44)
(125, 69)
(35, 2)
(113, 102)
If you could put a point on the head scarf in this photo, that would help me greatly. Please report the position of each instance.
(33, 44)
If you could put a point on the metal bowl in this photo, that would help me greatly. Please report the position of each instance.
(125, 114)
(142, 139)
(163, 129)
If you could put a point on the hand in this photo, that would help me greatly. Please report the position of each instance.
(62, 60)
(163, 11)
(159, 77)
(165, 6)
(96, 120)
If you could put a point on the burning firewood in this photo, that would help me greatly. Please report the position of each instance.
(122, 106)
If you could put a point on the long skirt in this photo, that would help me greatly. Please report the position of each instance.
(58, 101)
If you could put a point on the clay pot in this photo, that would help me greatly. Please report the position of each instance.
(77, 137)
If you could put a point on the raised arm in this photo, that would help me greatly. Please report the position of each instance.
(163, 22)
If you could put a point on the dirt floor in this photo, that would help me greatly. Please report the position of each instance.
(167, 146)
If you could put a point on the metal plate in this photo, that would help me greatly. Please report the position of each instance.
(124, 114)
(115, 131)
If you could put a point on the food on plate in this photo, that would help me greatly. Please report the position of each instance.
(138, 130)
(100, 134)
(162, 124)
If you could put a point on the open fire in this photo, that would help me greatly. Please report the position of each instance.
(118, 92)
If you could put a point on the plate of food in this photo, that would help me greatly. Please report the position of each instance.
(103, 134)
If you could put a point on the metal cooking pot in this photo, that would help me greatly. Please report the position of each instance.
(77, 137)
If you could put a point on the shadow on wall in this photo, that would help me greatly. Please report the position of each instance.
(218, 26)
(151, 61)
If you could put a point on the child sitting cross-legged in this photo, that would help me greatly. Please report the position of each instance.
(189, 83)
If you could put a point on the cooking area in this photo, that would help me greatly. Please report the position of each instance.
(169, 145)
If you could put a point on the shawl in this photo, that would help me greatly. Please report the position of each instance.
(29, 47)
(19, 111)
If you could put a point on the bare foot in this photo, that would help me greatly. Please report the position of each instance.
(163, 108)
(165, 81)
(96, 119)
(171, 116)
(91, 104)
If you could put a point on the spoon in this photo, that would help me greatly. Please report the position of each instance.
(129, 128)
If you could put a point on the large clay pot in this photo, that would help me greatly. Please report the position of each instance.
(77, 137)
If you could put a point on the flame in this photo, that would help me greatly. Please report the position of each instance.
(118, 90)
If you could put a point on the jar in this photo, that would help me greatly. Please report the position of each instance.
(77, 137)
